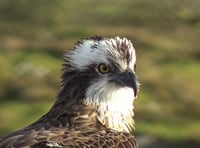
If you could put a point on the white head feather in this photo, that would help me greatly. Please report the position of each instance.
(85, 55)
(113, 104)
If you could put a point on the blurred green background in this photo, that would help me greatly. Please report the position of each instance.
(166, 34)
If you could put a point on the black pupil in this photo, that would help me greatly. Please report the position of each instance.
(105, 68)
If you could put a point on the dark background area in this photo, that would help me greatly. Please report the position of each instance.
(34, 35)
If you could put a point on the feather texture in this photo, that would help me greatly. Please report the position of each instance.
(74, 128)
(92, 110)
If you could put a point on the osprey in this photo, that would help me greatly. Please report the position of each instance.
(94, 107)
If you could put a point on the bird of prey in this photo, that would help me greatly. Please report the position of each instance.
(94, 107)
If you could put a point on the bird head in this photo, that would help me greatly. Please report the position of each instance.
(100, 73)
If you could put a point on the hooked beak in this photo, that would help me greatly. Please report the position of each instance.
(128, 79)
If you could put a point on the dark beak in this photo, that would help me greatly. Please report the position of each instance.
(127, 78)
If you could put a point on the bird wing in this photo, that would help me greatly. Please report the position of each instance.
(62, 138)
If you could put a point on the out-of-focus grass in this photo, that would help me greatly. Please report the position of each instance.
(17, 114)
(26, 75)
(182, 130)
(34, 35)
(169, 100)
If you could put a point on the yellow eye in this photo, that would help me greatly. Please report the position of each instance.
(103, 68)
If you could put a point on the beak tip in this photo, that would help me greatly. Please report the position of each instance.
(128, 79)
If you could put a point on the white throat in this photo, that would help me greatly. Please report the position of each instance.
(114, 105)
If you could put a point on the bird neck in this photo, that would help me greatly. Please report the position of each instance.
(72, 103)
(112, 117)
(84, 116)
(73, 115)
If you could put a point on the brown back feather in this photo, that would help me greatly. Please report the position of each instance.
(77, 127)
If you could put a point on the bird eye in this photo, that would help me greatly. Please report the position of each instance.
(103, 68)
